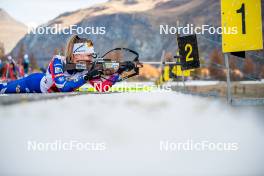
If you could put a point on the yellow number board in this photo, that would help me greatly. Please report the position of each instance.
(188, 49)
(242, 25)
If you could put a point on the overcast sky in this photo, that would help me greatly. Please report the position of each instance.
(41, 11)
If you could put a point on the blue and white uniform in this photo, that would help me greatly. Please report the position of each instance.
(55, 80)
(58, 80)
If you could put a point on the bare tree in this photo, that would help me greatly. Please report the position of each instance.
(249, 67)
(216, 65)
(2, 50)
(33, 62)
(21, 51)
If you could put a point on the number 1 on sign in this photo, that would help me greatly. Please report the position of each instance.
(245, 16)
(242, 11)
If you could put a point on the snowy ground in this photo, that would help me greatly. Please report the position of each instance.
(131, 127)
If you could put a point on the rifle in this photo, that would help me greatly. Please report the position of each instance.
(110, 62)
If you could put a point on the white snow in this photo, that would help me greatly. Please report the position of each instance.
(194, 83)
(125, 84)
(252, 82)
(131, 125)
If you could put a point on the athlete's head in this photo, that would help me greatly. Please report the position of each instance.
(79, 49)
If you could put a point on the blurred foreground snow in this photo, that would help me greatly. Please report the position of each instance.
(132, 126)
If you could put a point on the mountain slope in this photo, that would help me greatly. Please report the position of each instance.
(11, 31)
(131, 23)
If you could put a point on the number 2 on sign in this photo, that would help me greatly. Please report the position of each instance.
(188, 48)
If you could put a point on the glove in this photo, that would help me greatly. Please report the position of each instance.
(94, 74)
(114, 78)
(128, 66)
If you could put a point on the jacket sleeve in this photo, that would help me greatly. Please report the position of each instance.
(59, 78)
(104, 86)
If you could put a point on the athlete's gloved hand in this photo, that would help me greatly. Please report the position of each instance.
(128, 66)
(114, 78)
(93, 74)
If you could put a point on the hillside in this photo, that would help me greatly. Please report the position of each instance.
(131, 23)
(11, 31)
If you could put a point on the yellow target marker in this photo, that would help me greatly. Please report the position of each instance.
(241, 25)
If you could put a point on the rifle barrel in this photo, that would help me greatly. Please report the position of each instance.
(159, 63)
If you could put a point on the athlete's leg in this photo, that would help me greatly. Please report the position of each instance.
(1, 86)
(12, 86)
(30, 84)
(33, 82)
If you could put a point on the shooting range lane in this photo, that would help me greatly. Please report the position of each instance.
(20, 98)
(132, 126)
